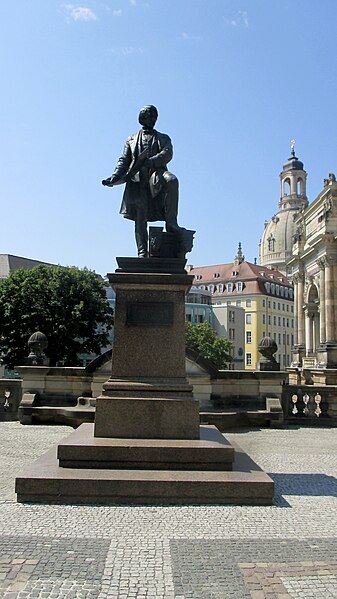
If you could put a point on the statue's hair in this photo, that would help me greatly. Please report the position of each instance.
(149, 107)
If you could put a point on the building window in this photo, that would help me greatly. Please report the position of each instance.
(200, 318)
(231, 316)
(264, 303)
(277, 290)
(211, 288)
(271, 244)
(278, 306)
(269, 319)
(275, 321)
(235, 273)
(267, 286)
(248, 319)
(279, 321)
(198, 277)
(231, 334)
(269, 304)
(248, 303)
(229, 286)
(291, 308)
(248, 336)
(238, 302)
(220, 288)
(228, 302)
(189, 317)
(239, 286)
(287, 307)
(264, 318)
(287, 322)
(284, 322)
(216, 275)
(274, 305)
(283, 307)
(287, 339)
(279, 338)
(248, 359)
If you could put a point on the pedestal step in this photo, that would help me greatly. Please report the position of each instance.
(82, 450)
(45, 481)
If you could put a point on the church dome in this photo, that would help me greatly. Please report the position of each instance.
(277, 238)
(293, 163)
(276, 242)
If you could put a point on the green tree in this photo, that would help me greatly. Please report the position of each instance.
(204, 340)
(68, 305)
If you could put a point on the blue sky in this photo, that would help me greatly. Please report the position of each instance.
(234, 81)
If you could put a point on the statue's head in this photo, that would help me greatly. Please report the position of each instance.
(148, 116)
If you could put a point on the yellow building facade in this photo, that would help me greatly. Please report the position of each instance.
(267, 298)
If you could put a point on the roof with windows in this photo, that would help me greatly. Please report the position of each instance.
(244, 278)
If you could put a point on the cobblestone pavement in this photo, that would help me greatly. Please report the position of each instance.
(288, 550)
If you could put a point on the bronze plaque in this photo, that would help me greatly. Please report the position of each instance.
(149, 314)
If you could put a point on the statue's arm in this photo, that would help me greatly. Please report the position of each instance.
(122, 167)
(165, 154)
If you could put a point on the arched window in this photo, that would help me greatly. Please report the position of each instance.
(271, 244)
(299, 186)
(286, 187)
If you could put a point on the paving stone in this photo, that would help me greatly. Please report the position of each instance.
(166, 552)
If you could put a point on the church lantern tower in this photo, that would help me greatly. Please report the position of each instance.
(276, 242)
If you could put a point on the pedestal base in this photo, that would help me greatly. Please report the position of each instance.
(46, 481)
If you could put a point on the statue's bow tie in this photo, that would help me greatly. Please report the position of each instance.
(148, 131)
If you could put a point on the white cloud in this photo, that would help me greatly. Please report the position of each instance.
(189, 37)
(75, 12)
(240, 20)
(126, 51)
(117, 12)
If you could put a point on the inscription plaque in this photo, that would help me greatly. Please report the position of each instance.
(149, 314)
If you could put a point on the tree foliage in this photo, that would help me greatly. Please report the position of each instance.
(68, 305)
(204, 340)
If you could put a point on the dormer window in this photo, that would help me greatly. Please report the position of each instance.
(235, 273)
(229, 286)
(198, 277)
(239, 286)
(216, 275)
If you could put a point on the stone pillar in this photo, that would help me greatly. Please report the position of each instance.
(308, 331)
(315, 332)
(300, 312)
(322, 335)
(295, 310)
(329, 301)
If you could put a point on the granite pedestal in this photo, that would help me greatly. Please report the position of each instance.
(146, 445)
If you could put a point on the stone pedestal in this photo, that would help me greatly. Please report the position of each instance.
(147, 395)
(146, 445)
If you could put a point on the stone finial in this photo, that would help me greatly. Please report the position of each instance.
(268, 347)
(37, 343)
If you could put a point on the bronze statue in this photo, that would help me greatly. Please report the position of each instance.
(151, 191)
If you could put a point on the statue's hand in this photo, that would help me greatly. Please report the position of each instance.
(108, 182)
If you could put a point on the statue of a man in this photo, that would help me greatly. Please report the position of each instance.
(151, 191)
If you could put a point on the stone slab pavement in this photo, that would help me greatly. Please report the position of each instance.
(288, 550)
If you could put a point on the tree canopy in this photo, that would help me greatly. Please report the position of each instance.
(68, 305)
(204, 340)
